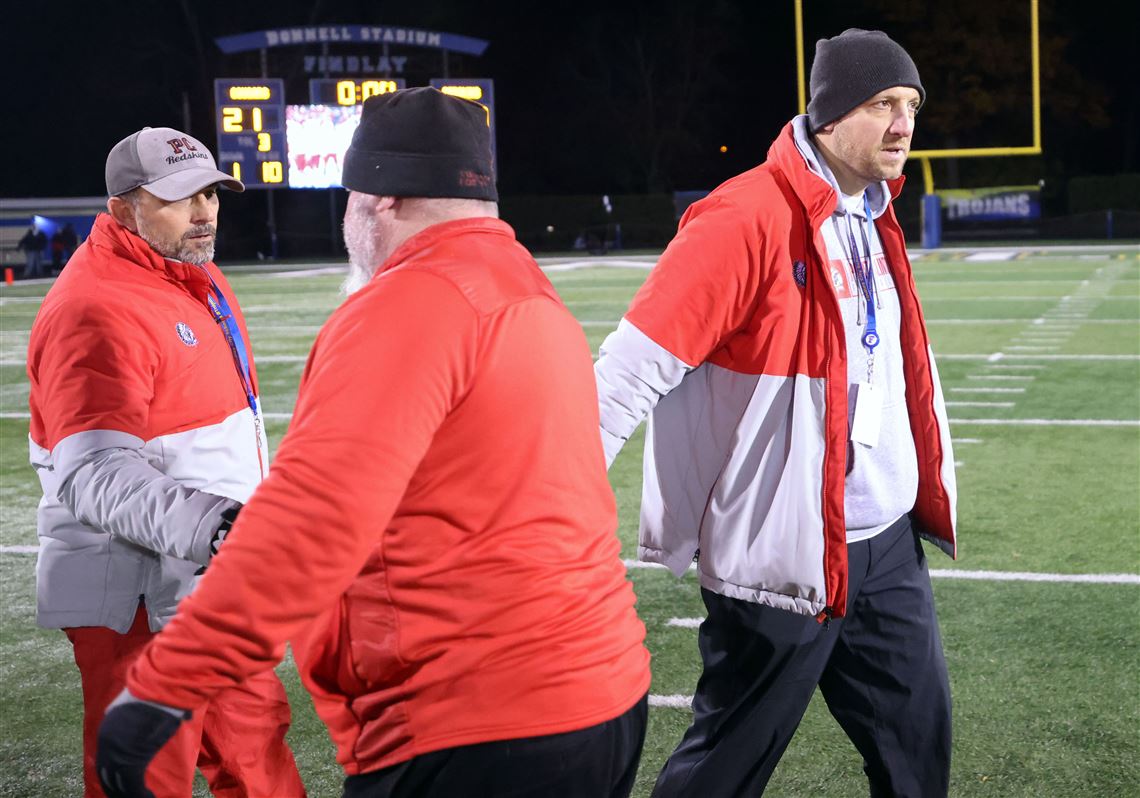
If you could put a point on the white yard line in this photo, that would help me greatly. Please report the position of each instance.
(998, 377)
(979, 404)
(988, 256)
(966, 440)
(993, 357)
(671, 701)
(1049, 422)
(949, 573)
(987, 390)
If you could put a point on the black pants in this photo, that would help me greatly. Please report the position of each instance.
(595, 762)
(881, 670)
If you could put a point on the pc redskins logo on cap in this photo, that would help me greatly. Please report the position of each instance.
(168, 163)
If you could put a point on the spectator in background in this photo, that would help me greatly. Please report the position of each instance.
(56, 251)
(33, 244)
(146, 435)
(70, 241)
(437, 537)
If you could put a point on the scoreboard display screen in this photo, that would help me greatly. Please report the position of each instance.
(480, 90)
(262, 142)
(251, 130)
(350, 91)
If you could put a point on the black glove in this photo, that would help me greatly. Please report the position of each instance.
(229, 515)
(131, 733)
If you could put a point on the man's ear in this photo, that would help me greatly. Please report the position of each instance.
(123, 212)
(828, 128)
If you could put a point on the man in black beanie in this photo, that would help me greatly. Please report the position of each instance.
(798, 445)
(436, 537)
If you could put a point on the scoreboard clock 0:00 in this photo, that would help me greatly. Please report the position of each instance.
(350, 91)
(251, 130)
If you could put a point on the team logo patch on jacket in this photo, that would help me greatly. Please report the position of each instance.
(799, 271)
(186, 334)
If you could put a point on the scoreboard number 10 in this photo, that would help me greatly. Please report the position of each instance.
(271, 171)
(251, 129)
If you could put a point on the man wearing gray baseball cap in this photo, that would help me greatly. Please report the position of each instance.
(146, 434)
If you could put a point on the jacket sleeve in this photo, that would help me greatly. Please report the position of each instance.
(107, 483)
(384, 373)
(633, 372)
(704, 288)
(93, 374)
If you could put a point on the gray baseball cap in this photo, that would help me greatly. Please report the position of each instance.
(166, 162)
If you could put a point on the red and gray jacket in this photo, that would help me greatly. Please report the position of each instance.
(142, 431)
(734, 348)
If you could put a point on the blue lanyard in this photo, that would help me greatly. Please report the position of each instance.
(865, 276)
(230, 329)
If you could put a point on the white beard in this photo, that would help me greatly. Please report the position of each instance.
(360, 240)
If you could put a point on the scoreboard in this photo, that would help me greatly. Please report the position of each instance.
(251, 130)
(350, 91)
(261, 139)
(480, 90)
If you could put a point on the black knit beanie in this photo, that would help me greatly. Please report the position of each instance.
(421, 143)
(851, 68)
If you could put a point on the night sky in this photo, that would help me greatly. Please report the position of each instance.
(590, 96)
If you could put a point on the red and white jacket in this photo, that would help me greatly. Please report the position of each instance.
(141, 432)
(437, 536)
(735, 349)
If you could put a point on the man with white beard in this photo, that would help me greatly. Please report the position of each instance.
(437, 537)
(146, 434)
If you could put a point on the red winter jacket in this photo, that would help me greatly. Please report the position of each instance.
(437, 536)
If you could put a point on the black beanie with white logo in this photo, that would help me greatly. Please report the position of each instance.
(853, 67)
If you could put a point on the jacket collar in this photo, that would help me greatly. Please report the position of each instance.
(122, 243)
(433, 235)
(810, 179)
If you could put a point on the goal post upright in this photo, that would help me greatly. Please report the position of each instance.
(931, 205)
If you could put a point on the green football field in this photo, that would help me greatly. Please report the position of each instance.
(1039, 353)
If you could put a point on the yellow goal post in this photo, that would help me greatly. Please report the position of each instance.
(926, 156)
